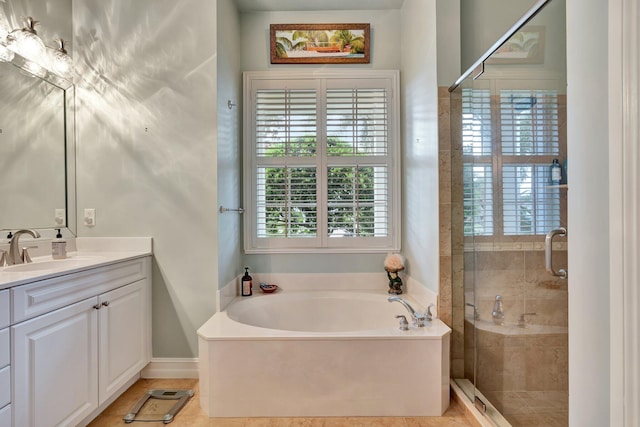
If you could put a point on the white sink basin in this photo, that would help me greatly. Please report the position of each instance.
(52, 264)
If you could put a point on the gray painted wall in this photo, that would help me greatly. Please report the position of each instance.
(448, 41)
(229, 127)
(482, 22)
(147, 147)
(420, 136)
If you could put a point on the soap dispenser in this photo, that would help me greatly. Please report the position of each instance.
(556, 172)
(58, 247)
(247, 283)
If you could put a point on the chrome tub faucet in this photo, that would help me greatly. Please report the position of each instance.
(419, 319)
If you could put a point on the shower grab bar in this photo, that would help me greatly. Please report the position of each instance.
(548, 252)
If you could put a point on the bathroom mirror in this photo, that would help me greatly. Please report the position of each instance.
(37, 150)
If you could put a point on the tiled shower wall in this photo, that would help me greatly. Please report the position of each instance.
(514, 274)
(451, 244)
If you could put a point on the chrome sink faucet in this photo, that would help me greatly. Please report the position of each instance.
(418, 318)
(15, 255)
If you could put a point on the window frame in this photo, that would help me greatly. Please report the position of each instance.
(321, 243)
(497, 160)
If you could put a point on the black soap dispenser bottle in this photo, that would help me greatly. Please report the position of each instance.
(556, 172)
(247, 283)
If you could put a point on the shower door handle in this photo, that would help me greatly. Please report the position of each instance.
(548, 252)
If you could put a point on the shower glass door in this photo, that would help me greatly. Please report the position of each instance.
(509, 127)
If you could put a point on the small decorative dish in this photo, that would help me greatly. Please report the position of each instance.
(268, 289)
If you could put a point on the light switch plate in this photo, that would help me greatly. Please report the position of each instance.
(59, 217)
(90, 217)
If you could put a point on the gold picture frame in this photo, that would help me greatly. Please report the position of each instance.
(524, 47)
(320, 43)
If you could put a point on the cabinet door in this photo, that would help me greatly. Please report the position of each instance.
(124, 331)
(54, 366)
(5, 416)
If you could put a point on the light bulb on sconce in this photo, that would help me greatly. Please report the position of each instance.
(59, 59)
(34, 68)
(5, 54)
(37, 58)
(26, 42)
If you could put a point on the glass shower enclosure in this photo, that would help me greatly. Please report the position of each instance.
(509, 213)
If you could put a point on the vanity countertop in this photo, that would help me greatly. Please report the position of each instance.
(86, 253)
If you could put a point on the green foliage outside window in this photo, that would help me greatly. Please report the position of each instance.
(290, 193)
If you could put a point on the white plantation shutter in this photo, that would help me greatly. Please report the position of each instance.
(527, 124)
(477, 167)
(478, 200)
(357, 133)
(321, 170)
(357, 201)
(358, 117)
(529, 135)
(287, 204)
(285, 131)
(476, 122)
(285, 118)
(531, 205)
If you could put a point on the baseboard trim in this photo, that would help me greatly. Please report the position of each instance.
(170, 367)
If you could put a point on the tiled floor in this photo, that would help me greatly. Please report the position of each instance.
(192, 416)
(535, 408)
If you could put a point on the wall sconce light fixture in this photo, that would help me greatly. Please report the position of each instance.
(26, 42)
(40, 59)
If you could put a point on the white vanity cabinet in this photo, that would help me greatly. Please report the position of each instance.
(77, 340)
(124, 336)
(5, 360)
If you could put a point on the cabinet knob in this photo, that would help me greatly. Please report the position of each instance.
(97, 306)
(106, 303)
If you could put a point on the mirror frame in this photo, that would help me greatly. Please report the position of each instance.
(69, 117)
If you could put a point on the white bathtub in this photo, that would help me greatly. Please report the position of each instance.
(321, 353)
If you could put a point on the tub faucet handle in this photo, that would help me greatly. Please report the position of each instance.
(428, 315)
(418, 318)
(404, 324)
(521, 321)
(476, 313)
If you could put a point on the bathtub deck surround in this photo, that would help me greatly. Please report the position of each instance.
(306, 353)
(327, 282)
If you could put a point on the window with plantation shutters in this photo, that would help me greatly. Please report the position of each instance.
(321, 162)
(509, 142)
